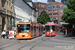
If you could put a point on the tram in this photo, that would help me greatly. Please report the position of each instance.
(54, 27)
(28, 30)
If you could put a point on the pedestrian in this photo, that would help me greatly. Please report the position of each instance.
(7, 33)
(66, 31)
(3, 34)
(51, 31)
(15, 34)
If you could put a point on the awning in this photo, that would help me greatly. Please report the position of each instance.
(63, 23)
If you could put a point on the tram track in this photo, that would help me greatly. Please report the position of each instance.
(4, 42)
(5, 45)
(31, 43)
(38, 41)
(54, 42)
(35, 45)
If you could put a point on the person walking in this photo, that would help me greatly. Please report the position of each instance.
(15, 34)
(66, 31)
(3, 34)
(51, 31)
(7, 33)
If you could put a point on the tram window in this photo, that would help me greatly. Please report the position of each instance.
(47, 28)
(42, 28)
(35, 28)
(23, 28)
(39, 29)
(53, 27)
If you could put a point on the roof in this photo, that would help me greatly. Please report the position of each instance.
(56, 3)
(63, 23)
(29, 5)
(50, 23)
(39, 3)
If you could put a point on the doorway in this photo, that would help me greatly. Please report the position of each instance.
(3, 23)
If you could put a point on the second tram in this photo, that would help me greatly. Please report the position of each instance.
(54, 27)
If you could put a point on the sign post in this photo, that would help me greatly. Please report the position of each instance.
(11, 34)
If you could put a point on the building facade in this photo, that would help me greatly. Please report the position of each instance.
(6, 14)
(40, 7)
(24, 12)
(34, 10)
(55, 11)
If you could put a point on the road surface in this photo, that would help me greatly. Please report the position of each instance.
(39, 43)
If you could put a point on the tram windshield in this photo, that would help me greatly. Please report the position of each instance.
(49, 27)
(23, 28)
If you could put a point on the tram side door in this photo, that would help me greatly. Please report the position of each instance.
(37, 31)
(32, 31)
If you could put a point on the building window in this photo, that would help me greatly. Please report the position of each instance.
(50, 14)
(55, 13)
(55, 20)
(49, 9)
(39, 5)
(3, 2)
(55, 6)
(42, 9)
(61, 9)
(55, 9)
(39, 9)
(50, 18)
(42, 5)
(61, 14)
(61, 6)
(11, 22)
(50, 6)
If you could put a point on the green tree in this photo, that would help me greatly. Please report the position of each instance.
(43, 18)
(69, 12)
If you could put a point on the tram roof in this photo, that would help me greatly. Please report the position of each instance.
(51, 23)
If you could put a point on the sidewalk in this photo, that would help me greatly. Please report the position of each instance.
(65, 37)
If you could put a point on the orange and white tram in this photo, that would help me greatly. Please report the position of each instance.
(28, 30)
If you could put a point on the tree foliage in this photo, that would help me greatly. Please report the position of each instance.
(43, 18)
(69, 12)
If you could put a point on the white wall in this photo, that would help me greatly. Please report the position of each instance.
(23, 11)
